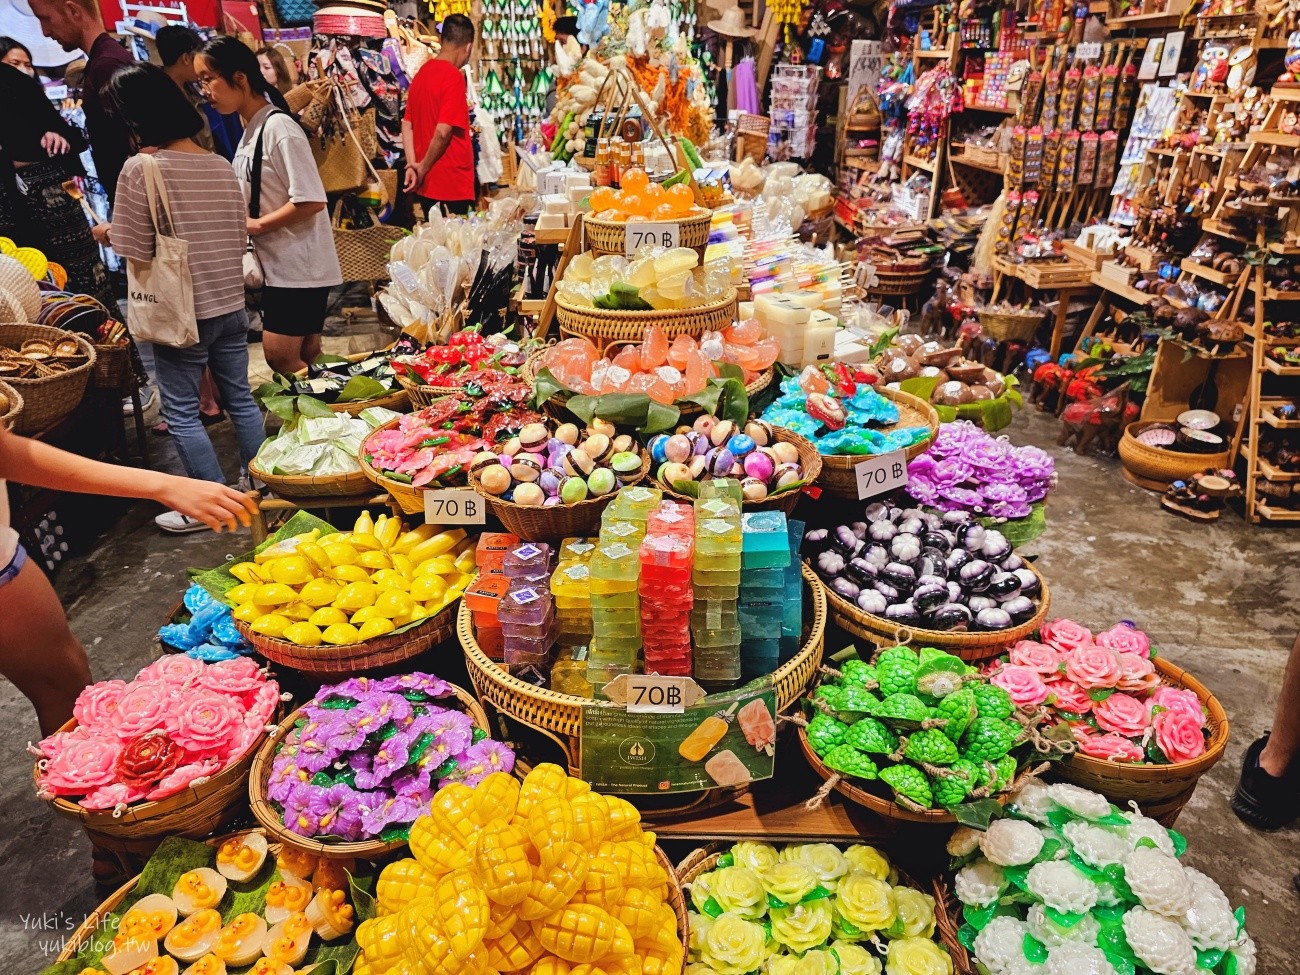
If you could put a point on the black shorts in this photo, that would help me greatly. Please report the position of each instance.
(459, 208)
(294, 311)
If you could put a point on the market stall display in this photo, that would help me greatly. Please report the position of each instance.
(49, 368)
(1096, 887)
(475, 892)
(467, 358)
(919, 735)
(314, 454)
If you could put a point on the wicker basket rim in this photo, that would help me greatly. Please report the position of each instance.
(545, 696)
(879, 624)
(15, 401)
(352, 652)
(696, 218)
(262, 474)
(260, 772)
(652, 316)
(809, 459)
(57, 334)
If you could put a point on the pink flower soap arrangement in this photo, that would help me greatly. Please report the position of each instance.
(367, 756)
(1106, 688)
(178, 723)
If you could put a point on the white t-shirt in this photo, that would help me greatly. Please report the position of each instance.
(301, 255)
(8, 537)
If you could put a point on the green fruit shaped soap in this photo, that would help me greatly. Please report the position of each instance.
(910, 782)
(907, 708)
(1006, 768)
(849, 761)
(959, 710)
(988, 739)
(858, 672)
(932, 747)
(870, 735)
(896, 669)
(858, 699)
(825, 732)
(961, 780)
(940, 674)
(994, 702)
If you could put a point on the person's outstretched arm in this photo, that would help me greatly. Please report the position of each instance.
(40, 465)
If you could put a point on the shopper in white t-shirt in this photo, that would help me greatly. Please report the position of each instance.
(290, 228)
(38, 652)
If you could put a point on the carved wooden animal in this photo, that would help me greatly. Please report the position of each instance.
(1102, 419)
(934, 315)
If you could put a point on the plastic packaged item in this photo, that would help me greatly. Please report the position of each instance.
(705, 737)
(532, 561)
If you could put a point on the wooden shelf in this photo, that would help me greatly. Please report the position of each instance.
(1269, 340)
(996, 109)
(961, 160)
(1284, 93)
(1122, 290)
(1277, 247)
(916, 162)
(1219, 230)
(1273, 294)
(530, 306)
(1271, 473)
(1275, 514)
(551, 236)
(1266, 415)
(1278, 369)
(1144, 22)
(943, 55)
(1208, 273)
(1291, 139)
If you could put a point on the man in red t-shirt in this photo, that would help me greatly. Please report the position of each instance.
(435, 131)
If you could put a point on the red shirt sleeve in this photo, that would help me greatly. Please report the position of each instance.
(454, 107)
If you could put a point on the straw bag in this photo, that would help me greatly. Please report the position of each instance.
(343, 154)
(363, 254)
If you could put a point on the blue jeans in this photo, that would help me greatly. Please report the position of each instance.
(223, 348)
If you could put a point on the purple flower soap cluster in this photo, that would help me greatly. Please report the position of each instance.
(965, 469)
(368, 755)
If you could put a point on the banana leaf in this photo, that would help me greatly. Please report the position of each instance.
(1021, 531)
(991, 414)
(723, 397)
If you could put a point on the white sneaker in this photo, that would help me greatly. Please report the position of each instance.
(148, 398)
(178, 524)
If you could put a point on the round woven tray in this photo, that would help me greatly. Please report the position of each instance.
(353, 659)
(47, 401)
(296, 487)
(411, 499)
(972, 647)
(560, 521)
(1164, 466)
(603, 327)
(610, 237)
(195, 812)
(559, 716)
(1010, 326)
(898, 282)
(272, 819)
(809, 459)
(701, 861)
(422, 394)
(9, 418)
(839, 472)
(1147, 784)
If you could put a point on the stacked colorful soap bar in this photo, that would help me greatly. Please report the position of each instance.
(792, 599)
(765, 555)
(571, 588)
(615, 574)
(529, 626)
(483, 596)
(666, 556)
(715, 625)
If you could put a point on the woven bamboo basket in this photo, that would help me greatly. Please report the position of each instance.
(559, 521)
(898, 281)
(113, 368)
(809, 459)
(1163, 466)
(559, 716)
(271, 819)
(839, 473)
(353, 659)
(197, 812)
(397, 400)
(423, 394)
(610, 237)
(9, 418)
(1165, 787)
(47, 401)
(701, 861)
(1010, 326)
(603, 327)
(972, 647)
(303, 487)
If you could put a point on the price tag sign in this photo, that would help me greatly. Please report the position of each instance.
(653, 693)
(1088, 51)
(877, 475)
(454, 506)
(656, 233)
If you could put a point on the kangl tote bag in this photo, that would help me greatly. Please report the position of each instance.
(160, 293)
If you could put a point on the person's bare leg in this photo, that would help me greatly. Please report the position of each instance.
(37, 650)
(285, 353)
(1284, 740)
(311, 347)
(209, 405)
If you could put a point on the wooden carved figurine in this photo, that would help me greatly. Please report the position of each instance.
(933, 311)
(1103, 418)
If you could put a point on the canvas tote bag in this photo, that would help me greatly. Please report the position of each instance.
(160, 293)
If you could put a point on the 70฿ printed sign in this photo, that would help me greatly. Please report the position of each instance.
(664, 233)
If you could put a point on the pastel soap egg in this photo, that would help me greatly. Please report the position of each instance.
(759, 465)
(741, 444)
(574, 490)
(601, 482)
(678, 449)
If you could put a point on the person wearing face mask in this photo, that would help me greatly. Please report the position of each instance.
(39, 152)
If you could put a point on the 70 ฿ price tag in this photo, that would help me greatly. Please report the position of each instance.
(665, 233)
(454, 506)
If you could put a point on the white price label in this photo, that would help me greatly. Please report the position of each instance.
(656, 233)
(1088, 51)
(876, 475)
(653, 693)
(454, 506)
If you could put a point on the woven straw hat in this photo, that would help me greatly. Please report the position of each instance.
(11, 309)
(731, 23)
(18, 281)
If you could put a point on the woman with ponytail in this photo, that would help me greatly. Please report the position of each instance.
(287, 220)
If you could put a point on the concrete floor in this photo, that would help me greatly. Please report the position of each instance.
(1219, 600)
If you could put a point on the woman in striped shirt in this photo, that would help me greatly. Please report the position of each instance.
(207, 210)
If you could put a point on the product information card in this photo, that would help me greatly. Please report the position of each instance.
(725, 740)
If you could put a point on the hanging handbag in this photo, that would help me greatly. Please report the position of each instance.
(344, 147)
(254, 276)
(160, 292)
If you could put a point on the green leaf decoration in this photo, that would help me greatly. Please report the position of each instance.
(361, 388)
(282, 406)
(1230, 965)
(1034, 949)
(309, 406)
(689, 488)
(1099, 694)
(712, 908)
(922, 386)
(1240, 915)
(1110, 914)
(1059, 817)
(1092, 873)
(625, 409)
(1115, 876)
(1209, 960)
(979, 917)
(1113, 818)
(966, 935)
(1179, 841)
(1016, 875)
(774, 901)
(1121, 964)
(547, 387)
(1065, 919)
(1021, 531)
(1147, 842)
(326, 359)
(1049, 851)
(883, 341)
(816, 894)
(724, 398)
(978, 814)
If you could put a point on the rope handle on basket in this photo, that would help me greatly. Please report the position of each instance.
(821, 795)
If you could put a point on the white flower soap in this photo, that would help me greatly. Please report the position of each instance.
(1011, 843)
(1158, 881)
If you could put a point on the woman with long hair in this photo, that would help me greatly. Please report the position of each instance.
(39, 151)
(288, 223)
(275, 69)
(206, 209)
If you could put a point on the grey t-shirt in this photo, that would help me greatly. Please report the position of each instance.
(301, 255)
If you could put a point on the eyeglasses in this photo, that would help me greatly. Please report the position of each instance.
(205, 84)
